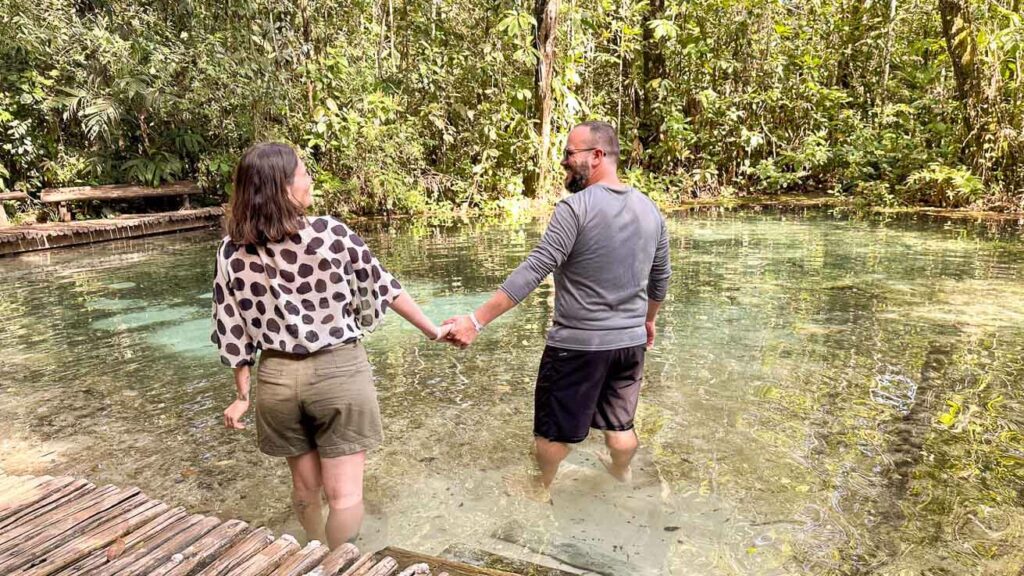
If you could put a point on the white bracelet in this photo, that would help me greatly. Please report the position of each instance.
(476, 323)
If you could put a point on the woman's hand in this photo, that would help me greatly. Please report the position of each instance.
(233, 414)
(442, 332)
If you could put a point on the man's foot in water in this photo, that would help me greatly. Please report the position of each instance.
(528, 486)
(624, 475)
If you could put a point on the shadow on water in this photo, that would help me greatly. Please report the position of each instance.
(830, 394)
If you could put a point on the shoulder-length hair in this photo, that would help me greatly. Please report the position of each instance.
(261, 210)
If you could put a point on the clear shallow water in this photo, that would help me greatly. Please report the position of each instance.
(827, 396)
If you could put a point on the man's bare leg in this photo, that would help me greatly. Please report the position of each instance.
(621, 448)
(343, 484)
(549, 456)
(306, 487)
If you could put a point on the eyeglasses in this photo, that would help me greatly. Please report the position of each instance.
(567, 153)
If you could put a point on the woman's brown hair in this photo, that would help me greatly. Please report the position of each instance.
(261, 210)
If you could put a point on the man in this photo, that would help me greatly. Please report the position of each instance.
(608, 248)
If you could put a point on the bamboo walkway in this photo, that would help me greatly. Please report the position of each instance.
(65, 527)
(31, 237)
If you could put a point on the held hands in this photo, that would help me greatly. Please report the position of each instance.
(462, 331)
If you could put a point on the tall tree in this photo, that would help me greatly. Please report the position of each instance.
(649, 125)
(958, 32)
(545, 12)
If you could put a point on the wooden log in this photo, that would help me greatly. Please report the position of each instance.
(338, 559)
(46, 544)
(480, 560)
(357, 567)
(54, 535)
(475, 565)
(116, 192)
(98, 558)
(12, 485)
(204, 551)
(11, 196)
(161, 546)
(269, 558)
(235, 556)
(303, 561)
(9, 482)
(96, 539)
(30, 526)
(419, 569)
(386, 567)
(50, 499)
(29, 494)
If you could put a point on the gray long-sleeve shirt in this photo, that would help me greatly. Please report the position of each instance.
(608, 248)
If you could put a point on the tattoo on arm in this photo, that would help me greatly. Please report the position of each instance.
(243, 396)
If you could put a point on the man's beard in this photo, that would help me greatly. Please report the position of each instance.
(577, 180)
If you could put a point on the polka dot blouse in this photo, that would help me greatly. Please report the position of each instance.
(319, 287)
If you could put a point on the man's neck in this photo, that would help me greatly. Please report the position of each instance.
(606, 177)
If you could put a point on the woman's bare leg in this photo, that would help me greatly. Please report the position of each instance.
(306, 485)
(343, 484)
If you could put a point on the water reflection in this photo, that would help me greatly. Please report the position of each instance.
(828, 395)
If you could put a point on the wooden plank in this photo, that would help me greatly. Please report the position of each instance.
(484, 559)
(13, 196)
(303, 561)
(175, 545)
(10, 482)
(454, 567)
(49, 500)
(19, 490)
(28, 238)
(338, 559)
(357, 567)
(116, 192)
(421, 569)
(11, 537)
(36, 549)
(204, 551)
(269, 558)
(128, 542)
(235, 556)
(96, 539)
(385, 567)
(159, 547)
(53, 535)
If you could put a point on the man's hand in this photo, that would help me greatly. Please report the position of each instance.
(233, 414)
(650, 334)
(462, 332)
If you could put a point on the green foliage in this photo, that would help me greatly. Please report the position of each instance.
(411, 104)
(952, 187)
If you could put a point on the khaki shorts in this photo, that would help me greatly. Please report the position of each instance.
(323, 401)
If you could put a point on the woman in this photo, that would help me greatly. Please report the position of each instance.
(303, 291)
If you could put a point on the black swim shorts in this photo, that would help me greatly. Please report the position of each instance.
(582, 389)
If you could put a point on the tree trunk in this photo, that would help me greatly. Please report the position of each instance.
(545, 12)
(890, 32)
(649, 126)
(308, 52)
(851, 37)
(958, 32)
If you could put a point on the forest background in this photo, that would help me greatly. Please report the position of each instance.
(411, 105)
